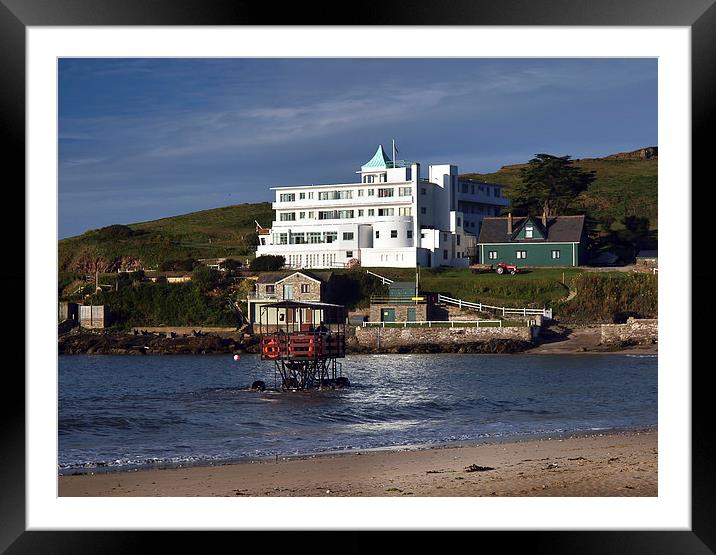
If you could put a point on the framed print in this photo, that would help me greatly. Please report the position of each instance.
(46, 50)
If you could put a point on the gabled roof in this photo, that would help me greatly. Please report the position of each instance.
(275, 277)
(561, 229)
(379, 161)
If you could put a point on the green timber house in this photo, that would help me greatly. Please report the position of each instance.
(529, 241)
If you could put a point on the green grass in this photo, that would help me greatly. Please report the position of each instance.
(220, 232)
(621, 187)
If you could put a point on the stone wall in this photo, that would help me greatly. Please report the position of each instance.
(296, 280)
(641, 331)
(389, 338)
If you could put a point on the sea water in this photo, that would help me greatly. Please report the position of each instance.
(123, 412)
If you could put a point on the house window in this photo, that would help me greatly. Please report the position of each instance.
(521, 254)
(348, 236)
(528, 232)
(492, 255)
(349, 254)
(444, 255)
(270, 289)
(457, 240)
(410, 234)
(556, 254)
(393, 233)
(305, 288)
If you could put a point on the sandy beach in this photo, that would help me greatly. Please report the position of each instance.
(601, 465)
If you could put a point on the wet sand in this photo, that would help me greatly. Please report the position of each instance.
(609, 465)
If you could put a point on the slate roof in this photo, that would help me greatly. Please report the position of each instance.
(561, 229)
(273, 277)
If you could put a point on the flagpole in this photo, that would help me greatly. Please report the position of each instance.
(393, 152)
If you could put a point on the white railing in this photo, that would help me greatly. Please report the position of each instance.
(437, 324)
(505, 311)
(385, 280)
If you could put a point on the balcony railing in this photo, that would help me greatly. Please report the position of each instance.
(262, 296)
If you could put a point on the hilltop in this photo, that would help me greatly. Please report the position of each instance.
(219, 232)
(626, 185)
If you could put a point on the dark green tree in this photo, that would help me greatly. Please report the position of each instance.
(550, 185)
(267, 263)
(205, 278)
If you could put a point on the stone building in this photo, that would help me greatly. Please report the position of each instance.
(273, 287)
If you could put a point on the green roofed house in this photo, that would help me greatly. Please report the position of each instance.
(529, 241)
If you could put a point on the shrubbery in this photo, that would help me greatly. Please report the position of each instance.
(267, 263)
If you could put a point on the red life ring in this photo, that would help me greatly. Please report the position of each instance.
(271, 348)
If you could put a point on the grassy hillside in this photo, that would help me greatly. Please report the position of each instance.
(220, 232)
(622, 187)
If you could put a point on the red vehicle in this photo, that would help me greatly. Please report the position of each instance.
(501, 268)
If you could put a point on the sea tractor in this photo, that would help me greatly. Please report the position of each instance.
(304, 341)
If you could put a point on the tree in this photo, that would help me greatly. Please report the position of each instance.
(267, 263)
(205, 278)
(550, 185)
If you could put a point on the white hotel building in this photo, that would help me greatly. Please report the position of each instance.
(391, 218)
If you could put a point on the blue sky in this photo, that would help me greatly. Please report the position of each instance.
(141, 139)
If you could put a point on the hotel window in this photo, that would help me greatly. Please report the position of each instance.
(368, 179)
(349, 254)
(405, 211)
(301, 196)
(371, 192)
(270, 289)
(360, 213)
(556, 254)
(360, 192)
(287, 197)
(382, 193)
(410, 234)
(287, 216)
(310, 195)
(371, 211)
(348, 236)
(521, 254)
(404, 191)
(492, 255)
(423, 210)
(393, 233)
(305, 288)
(331, 236)
(528, 232)
(310, 215)
(377, 234)
(386, 211)
(301, 215)
(283, 238)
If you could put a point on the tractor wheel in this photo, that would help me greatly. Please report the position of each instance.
(500, 270)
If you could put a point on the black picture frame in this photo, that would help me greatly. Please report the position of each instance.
(16, 15)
